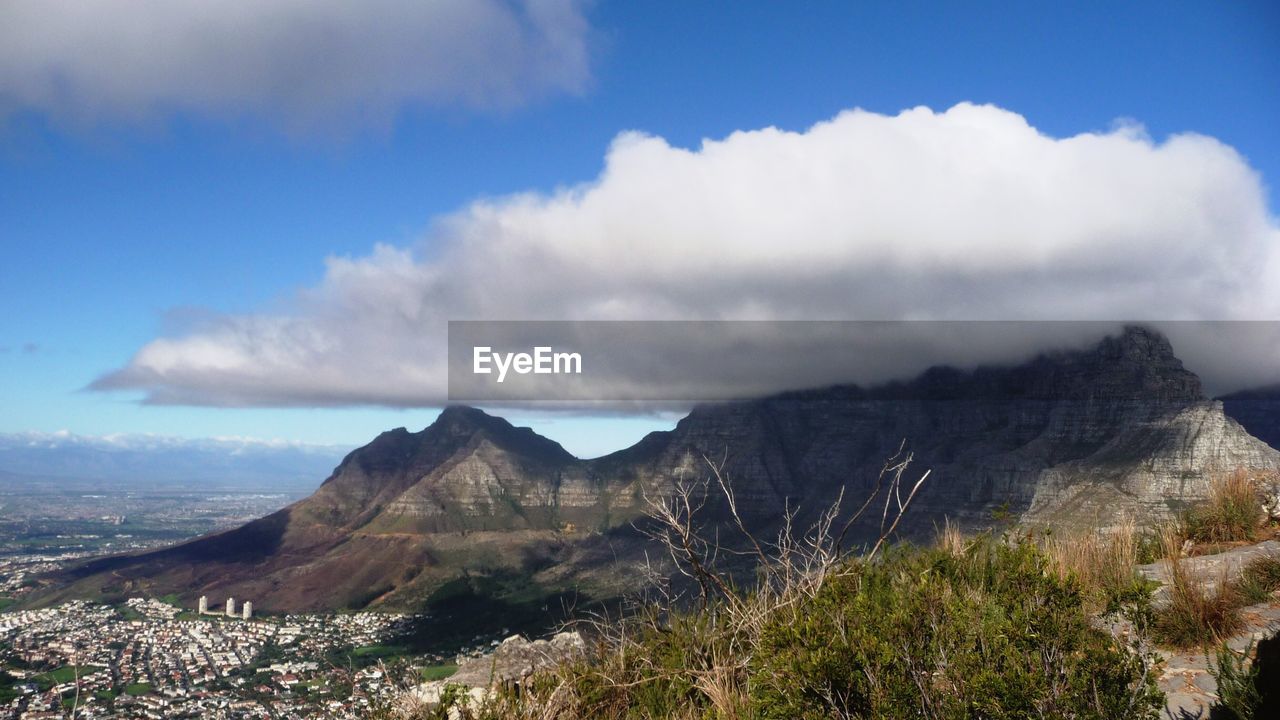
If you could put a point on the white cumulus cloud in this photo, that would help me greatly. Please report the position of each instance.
(969, 213)
(306, 64)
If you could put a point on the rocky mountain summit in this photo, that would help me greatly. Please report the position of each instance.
(1068, 438)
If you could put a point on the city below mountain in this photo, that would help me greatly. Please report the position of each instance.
(1069, 439)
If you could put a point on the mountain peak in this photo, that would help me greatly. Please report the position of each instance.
(1143, 360)
(466, 421)
(1139, 341)
(463, 413)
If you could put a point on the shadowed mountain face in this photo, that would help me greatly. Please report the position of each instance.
(1258, 411)
(1076, 439)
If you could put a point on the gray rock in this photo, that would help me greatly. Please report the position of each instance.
(517, 658)
(1210, 570)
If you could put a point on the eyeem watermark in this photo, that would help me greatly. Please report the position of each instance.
(543, 361)
(674, 364)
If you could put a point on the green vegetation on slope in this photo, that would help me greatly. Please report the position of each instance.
(1011, 625)
(993, 632)
(995, 626)
(1248, 684)
(437, 672)
(485, 606)
(993, 629)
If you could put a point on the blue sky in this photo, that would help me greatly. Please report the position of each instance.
(117, 230)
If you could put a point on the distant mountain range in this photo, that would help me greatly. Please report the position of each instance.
(61, 460)
(1067, 439)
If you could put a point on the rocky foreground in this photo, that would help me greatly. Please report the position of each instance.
(515, 659)
(1190, 687)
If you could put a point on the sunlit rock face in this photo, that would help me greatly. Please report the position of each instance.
(1079, 439)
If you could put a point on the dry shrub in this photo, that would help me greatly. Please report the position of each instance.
(1232, 513)
(722, 686)
(952, 540)
(1195, 614)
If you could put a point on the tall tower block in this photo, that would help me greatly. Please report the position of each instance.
(248, 609)
(231, 607)
(204, 604)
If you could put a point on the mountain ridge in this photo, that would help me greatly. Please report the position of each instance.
(1068, 438)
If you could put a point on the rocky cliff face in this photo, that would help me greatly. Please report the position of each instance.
(1079, 438)
(1073, 438)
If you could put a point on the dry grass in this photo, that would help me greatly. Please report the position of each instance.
(1196, 614)
(952, 540)
(1104, 564)
(1233, 513)
(722, 686)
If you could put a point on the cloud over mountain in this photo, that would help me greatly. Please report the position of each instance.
(304, 64)
(969, 213)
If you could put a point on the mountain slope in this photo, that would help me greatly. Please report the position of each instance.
(1077, 438)
(381, 520)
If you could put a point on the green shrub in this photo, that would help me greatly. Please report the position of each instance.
(1147, 548)
(993, 633)
(1238, 693)
(661, 669)
(1248, 690)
